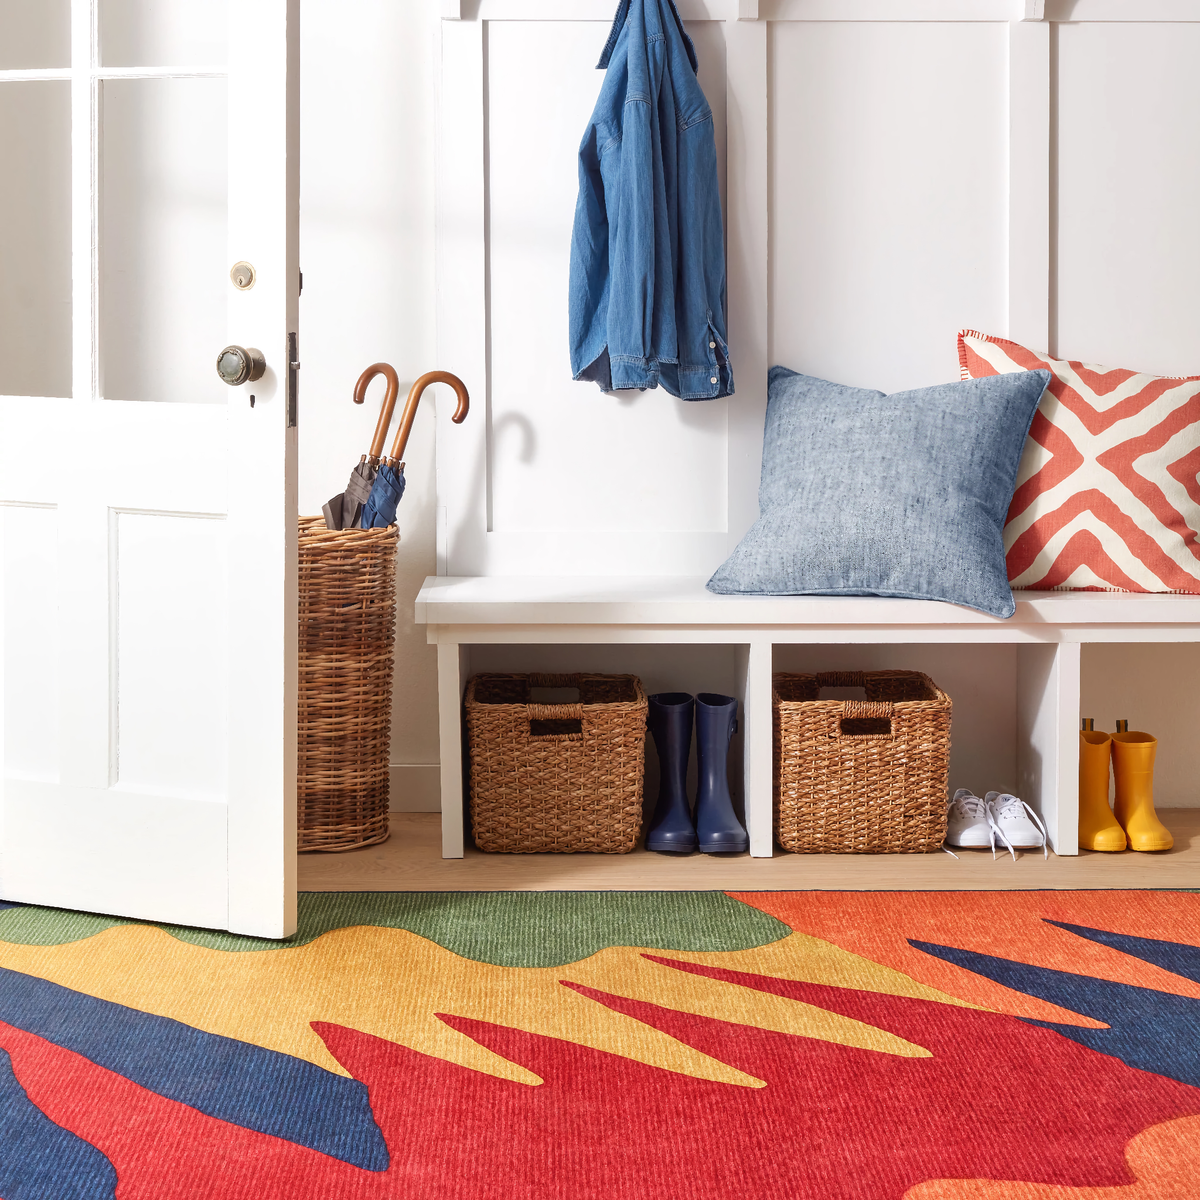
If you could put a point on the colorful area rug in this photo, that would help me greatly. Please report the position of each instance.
(624, 1046)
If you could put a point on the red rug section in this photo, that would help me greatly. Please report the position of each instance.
(999, 1098)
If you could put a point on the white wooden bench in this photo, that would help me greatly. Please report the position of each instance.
(464, 616)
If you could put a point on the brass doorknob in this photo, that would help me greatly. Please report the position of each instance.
(239, 364)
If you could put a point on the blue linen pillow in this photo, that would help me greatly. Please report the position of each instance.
(866, 494)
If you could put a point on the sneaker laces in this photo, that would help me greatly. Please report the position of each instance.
(967, 804)
(1006, 802)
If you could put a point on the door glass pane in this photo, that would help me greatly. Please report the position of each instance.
(163, 33)
(34, 33)
(35, 239)
(164, 278)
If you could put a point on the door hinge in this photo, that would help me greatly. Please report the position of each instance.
(293, 380)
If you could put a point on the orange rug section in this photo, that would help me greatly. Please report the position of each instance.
(1013, 925)
(1165, 1160)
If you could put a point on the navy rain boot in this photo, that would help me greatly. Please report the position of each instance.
(718, 830)
(670, 724)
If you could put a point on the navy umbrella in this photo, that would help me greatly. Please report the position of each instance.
(380, 508)
(344, 511)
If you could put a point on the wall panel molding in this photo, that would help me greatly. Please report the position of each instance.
(1029, 183)
(838, 10)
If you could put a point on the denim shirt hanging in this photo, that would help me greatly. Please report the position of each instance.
(647, 298)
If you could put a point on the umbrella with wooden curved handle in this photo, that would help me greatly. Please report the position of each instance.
(380, 508)
(344, 511)
(389, 403)
(410, 408)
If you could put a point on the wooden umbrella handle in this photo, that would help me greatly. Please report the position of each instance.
(414, 396)
(389, 401)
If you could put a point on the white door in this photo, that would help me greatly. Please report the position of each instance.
(147, 509)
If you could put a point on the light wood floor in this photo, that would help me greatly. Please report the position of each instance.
(410, 861)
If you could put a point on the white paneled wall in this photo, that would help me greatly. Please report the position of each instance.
(871, 213)
(889, 196)
(29, 708)
(659, 447)
(1128, 174)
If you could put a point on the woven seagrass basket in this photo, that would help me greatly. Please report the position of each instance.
(556, 778)
(861, 776)
(347, 630)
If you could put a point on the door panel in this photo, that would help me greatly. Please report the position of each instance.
(172, 726)
(29, 616)
(149, 604)
(118, 852)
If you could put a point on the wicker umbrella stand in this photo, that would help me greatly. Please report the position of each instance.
(347, 585)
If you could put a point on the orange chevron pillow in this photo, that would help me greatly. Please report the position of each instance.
(1107, 497)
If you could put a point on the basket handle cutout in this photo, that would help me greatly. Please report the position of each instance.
(559, 722)
(866, 718)
(865, 727)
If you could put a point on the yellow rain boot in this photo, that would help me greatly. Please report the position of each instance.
(1133, 766)
(1098, 828)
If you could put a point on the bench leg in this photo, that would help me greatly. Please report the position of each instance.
(1048, 739)
(754, 668)
(453, 669)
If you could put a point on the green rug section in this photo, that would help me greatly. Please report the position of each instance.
(507, 929)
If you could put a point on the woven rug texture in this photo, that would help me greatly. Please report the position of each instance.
(611, 1045)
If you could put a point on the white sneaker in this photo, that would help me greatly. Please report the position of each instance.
(1012, 818)
(968, 822)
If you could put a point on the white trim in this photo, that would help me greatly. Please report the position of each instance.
(160, 73)
(887, 10)
(596, 10)
(41, 74)
(674, 601)
(84, 214)
(35, 74)
(1123, 10)
(453, 669)
(1047, 742)
(1029, 183)
(755, 662)
(462, 458)
(747, 266)
(841, 10)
